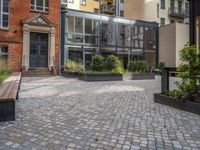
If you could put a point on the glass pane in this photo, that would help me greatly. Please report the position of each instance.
(88, 26)
(46, 3)
(5, 5)
(70, 21)
(78, 25)
(5, 20)
(39, 5)
(96, 27)
(104, 33)
(32, 2)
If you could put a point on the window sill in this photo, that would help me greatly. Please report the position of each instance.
(37, 11)
(4, 29)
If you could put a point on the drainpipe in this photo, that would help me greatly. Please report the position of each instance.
(116, 7)
(197, 35)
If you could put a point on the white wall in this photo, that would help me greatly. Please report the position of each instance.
(172, 38)
(75, 5)
(182, 38)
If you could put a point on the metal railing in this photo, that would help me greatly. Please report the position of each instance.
(178, 12)
(107, 8)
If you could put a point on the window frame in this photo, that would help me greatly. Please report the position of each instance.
(162, 4)
(2, 13)
(121, 13)
(67, 1)
(162, 21)
(34, 6)
(83, 2)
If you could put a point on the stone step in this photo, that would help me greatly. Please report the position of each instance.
(38, 72)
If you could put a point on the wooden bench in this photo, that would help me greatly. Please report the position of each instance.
(8, 95)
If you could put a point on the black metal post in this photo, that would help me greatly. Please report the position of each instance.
(165, 81)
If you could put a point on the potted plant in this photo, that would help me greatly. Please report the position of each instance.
(138, 70)
(187, 95)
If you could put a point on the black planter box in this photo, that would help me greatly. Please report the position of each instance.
(71, 74)
(139, 76)
(7, 111)
(174, 102)
(101, 77)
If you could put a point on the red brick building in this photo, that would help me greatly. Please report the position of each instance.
(30, 33)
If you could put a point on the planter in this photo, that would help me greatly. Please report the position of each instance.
(139, 76)
(174, 102)
(71, 74)
(101, 77)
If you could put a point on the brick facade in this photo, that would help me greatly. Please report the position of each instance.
(13, 37)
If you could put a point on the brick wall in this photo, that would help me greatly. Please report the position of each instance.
(13, 37)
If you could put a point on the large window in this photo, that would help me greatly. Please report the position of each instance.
(40, 5)
(162, 4)
(180, 7)
(4, 13)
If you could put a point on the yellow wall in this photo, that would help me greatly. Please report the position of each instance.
(90, 6)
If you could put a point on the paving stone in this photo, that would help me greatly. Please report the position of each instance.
(60, 113)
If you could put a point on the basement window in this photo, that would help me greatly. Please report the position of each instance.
(40, 5)
(3, 55)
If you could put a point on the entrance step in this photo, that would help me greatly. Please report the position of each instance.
(38, 72)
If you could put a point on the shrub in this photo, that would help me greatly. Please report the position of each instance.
(161, 65)
(142, 66)
(73, 66)
(188, 87)
(97, 63)
(132, 66)
(137, 66)
(118, 70)
(112, 62)
(4, 72)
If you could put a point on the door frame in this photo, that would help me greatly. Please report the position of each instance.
(27, 29)
(48, 48)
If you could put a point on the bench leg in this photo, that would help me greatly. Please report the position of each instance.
(7, 110)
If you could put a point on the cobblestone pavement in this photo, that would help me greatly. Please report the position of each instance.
(59, 113)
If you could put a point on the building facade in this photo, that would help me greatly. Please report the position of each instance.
(161, 11)
(86, 34)
(195, 22)
(106, 7)
(30, 33)
(173, 39)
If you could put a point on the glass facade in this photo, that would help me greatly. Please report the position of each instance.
(86, 34)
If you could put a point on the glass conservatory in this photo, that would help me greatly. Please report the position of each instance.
(86, 34)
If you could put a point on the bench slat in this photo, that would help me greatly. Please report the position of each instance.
(13, 93)
(8, 90)
(3, 88)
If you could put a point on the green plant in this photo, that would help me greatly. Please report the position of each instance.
(138, 66)
(97, 63)
(112, 62)
(118, 70)
(161, 65)
(4, 72)
(189, 87)
(73, 66)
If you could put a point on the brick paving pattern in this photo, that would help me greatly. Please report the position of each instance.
(59, 113)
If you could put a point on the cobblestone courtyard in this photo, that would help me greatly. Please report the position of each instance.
(59, 113)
